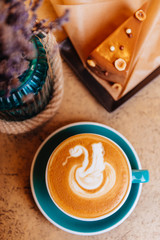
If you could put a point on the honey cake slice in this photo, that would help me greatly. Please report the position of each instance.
(112, 59)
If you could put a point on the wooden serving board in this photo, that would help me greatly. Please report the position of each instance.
(69, 54)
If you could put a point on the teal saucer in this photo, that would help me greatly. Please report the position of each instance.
(42, 198)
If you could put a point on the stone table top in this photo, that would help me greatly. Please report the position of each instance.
(138, 120)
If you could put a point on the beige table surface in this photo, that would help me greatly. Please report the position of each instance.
(138, 120)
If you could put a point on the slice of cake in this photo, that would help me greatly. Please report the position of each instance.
(112, 59)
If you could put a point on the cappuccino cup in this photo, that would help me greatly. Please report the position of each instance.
(89, 177)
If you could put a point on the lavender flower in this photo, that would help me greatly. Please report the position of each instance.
(17, 27)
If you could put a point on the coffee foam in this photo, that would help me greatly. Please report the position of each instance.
(82, 179)
(88, 176)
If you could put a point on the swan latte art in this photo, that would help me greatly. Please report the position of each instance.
(88, 176)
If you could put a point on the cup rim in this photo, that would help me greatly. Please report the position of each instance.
(105, 215)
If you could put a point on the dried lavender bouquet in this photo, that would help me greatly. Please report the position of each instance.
(18, 24)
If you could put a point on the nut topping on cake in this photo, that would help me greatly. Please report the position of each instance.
(112, 48)
(121, 47)
(140, 15)
(106, 73)
(130, 35)
(91, 63)
(117, 86)
(128, 31)
(120, 64)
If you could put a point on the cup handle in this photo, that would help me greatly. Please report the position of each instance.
(140, 176)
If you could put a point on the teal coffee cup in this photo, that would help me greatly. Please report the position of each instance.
(54, 212)
(89, 176)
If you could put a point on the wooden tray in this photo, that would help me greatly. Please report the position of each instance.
(69, 54)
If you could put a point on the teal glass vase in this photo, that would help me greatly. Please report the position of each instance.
(33, 93)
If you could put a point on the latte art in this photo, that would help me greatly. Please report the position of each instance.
(88, 176)
(99, 176)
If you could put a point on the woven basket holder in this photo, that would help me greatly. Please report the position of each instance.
(56, 73)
